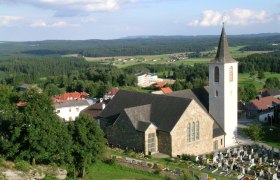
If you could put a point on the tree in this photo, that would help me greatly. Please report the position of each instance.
(261, 75)
(247, 92)
(35, 133)
(254, 131)
(88, 143)
(272, 83)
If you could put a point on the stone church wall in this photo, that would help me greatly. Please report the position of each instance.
(180, 144)
(123, 134)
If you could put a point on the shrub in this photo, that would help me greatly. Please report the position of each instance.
(22, 165)
(254, 131)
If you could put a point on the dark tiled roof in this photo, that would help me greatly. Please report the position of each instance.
(223, 55)
(165, 110)
(271, 92)
(94, 110)
(139, 116)
(201, 96)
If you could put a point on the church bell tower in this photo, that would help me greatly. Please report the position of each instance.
(223, 79)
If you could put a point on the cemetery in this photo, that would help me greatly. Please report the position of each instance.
(241, 162)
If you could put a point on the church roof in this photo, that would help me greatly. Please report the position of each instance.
(223, 55)
(162, 111)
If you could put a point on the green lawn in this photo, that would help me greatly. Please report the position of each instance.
(125, 61)
(244, 78)
(102, 171)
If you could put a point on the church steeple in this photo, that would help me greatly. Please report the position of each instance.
(223, 55)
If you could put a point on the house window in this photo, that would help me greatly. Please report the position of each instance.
(77, 109)
(230, 74)
(189, 132)
(69, 110)
(215, 145)
(57, 111)
(151, 142)
(216, 74)
(197, 130)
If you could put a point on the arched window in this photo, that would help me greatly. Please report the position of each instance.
(217, 74)
(189, 132)
(197, 130)
(230, 74)
(193, 131)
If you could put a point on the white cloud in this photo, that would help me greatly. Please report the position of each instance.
(54, 24)
(39, 23)
(75, 6)
(235, 16)
(9, 20)
(59, 24)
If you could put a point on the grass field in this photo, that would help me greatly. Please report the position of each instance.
(244, 78)
(125, 61)
(102, 171)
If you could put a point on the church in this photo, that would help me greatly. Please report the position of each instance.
(191, 121)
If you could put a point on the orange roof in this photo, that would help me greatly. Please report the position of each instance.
(113, 91)
(159, 84)
(265, 102)
(21, 104)
(166, 90)
(70, 96)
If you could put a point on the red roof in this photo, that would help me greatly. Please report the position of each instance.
(70, 96)
(265, 102)
(159, 84)
(166, 90)
(21, 104)
(113, 91)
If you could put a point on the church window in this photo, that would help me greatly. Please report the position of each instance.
(193, 132)
(151, 142)
(230, 74)
(217, 93)
(221, 142)
(197, 130)
(216, 74)
(189, 132)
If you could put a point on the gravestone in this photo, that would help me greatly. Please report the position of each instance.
(265, 159)
(250, 156)
(252, 161)
(204, 176)
(215, 159)
(260, 160)
(219, 164)
(261, 173)
(274, 177)
(242, 170)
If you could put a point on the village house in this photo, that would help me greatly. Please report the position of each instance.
(262, 108)
(69, 105)
(192, 121)
(110, 93)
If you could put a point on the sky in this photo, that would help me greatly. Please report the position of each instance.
(29, 20)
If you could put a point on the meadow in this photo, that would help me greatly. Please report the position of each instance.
(125, 61)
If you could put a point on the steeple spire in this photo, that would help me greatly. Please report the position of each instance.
(223, 55)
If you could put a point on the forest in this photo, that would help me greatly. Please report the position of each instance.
(130, 46)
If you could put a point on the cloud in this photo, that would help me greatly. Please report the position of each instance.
(9, 20)
(235, 16)
(75, 7)
(55, 24)
(39, 23)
